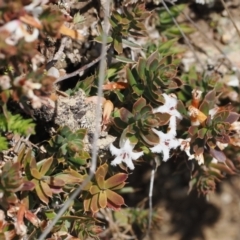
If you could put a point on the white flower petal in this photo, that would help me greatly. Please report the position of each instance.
(117, 160)
(161, 109)
(127, 146)
(32, 37)
(165, 151)
(114, 151)
(129, 163)
(125, 154)
(136, 155)
(176, 113)
(156, 149)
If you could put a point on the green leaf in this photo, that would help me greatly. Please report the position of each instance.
(3, 143)
(138, 105)
(202, 132)
(117, 43)
(131, 44)
(50, 214)
(123, 59)
(80, 159)
(45, 165)
(130, 78)
(16, 124)
(174, 30)
(204, 107)
(164, 47)
(99, 39)
(141, 66)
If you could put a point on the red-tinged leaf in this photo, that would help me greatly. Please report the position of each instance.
(139, 104)
(94, 189)
(56, 190)
(114, 197)
(100, 181)
(113, 206)
(193, 130)
(219, 155)
(45, 165)
(102, 170)
(94, 204)
(36, 174)
(232, 117)
(210, 96)
(46, 189)
(32, 218)
(39, 192)
(53, 181)
(125, 115)
(120, 186)
(102, 199)
(68, 178)
(28, 186)
(115, 86)
(86, 204)
(115, 180)
(163, 118)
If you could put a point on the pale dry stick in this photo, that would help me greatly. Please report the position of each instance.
(182, 33)
(94, 149)
(238, 32)
(58, 54)
(204, 35)
(150, 213)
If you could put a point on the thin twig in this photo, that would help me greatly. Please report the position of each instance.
(182, 33)
(150, 213)
(81, 69)
(204, 34)
(230, 16)
(96, 135)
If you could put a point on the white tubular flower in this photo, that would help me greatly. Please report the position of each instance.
(5, 82)
(200, 158)
(166, 143)
(170, 107)
(185, 146)
(125, 154)
(200, 2)
(17, 31)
